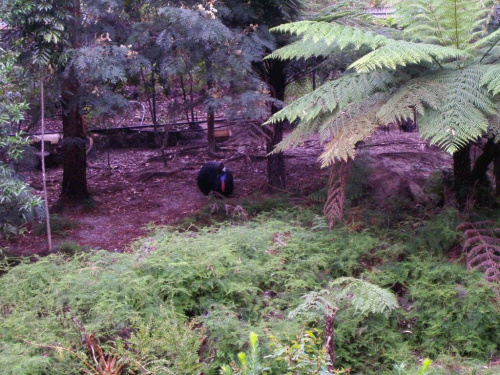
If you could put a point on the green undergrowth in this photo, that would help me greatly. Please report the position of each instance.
(185, 300)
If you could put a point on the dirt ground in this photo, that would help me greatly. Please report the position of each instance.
(132, 189)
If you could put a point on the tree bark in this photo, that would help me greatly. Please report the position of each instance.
(330, 339)
(74, 183)
(210, 110)
(276, 169)
(462, 175)
(496, 169)
(211, 131)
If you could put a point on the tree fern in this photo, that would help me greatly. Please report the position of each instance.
(401, 53)
(333, 97)
(332, 33)
(445, 81)
(334, 111)
(444, 22)
(465, 110)
(423, 93)
(345, 292)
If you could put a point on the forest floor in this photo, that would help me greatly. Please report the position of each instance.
(133, 190)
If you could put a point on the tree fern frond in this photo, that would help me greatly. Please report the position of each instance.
(402, 53)
(421, 92)
(488, 41)
(491, 79)
(352, 126)
(329, 33)
(334, 96)
(304, 49)
(364, 296)
(463, 115)
(447, 23)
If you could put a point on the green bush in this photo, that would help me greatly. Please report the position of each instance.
(184, 298)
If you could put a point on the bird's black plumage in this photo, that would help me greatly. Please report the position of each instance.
(213, 176)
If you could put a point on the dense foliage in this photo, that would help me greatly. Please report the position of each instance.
(186, 301)
(17, 203)
(440, 61)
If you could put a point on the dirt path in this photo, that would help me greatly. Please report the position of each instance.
(132, 189)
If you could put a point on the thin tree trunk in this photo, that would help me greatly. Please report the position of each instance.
(462, 175)
(184, 96)
(276, 176)
(44, 177)
(276, 170)
(191, 96)
(210, 111)
(330, 339)
(496, 169)
(211, 132)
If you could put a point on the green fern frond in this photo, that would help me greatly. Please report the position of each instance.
(364, 296)
(402, 53)
(422, 92)
(447, 23)
(329, 33)
(488, 41)
(305, 49)
(491, 79)
(334, 96)
(465, 110)
(343, 132)
(342, 147)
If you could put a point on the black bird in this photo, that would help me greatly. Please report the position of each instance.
(214, 176)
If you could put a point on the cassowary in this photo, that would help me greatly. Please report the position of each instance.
(214, 176)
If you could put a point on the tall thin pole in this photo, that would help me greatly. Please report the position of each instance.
(44, 177)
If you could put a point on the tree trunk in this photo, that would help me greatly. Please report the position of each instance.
(210, 111)
(74, 183)
(330, 339)
(462, 175)
(276, 171)
(337, 183)
(211, 131)
(496, 169)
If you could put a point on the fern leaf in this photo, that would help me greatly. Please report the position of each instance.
(447, 23)
(347, 132)
(332, 33)
(334, 96)
(482, 246)
(402, 53)
(348, 291)
(491, 79)
(305, 49)
(421, 92)
(364, 296)
(464, 114)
